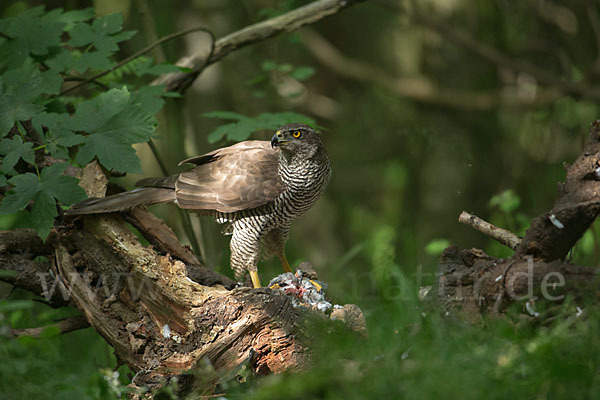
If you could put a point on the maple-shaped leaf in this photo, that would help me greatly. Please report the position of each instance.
(26, 186)
(31, 32)
(58, 136)
(61, 187)
(114, 123)
(103, 34)
(42, 214)
(52, 185)
(14, 149)
(19, 88)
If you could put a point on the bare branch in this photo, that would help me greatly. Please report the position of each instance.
(254, 33)
(63, 326)
(503, 236)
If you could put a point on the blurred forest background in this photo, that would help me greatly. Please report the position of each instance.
(427, 108)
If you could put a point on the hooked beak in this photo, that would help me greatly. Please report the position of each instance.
(277, 139)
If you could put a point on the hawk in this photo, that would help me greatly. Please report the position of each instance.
(256, 187)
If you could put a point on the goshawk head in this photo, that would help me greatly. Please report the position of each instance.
(297, 140)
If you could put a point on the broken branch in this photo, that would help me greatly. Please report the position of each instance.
(501, 235)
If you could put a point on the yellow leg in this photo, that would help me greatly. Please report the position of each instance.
(285, 264)
(255, 279)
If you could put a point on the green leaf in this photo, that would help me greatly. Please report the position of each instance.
(158, 69)
(149, 98)
(71, 17)
(285, 68)
(14, 149)
(8, 273)
(245, 126)
(26, 186)
(51, 185)
(268, 65)
(508, 201)
(13, 305)
(32, 32)
(64, 188)
(103, 34)
(18, 90)
(50, 332)
(220, 132)
(61, 61)
(51, 81)
(58, 136)
(303, 73)
(437, 246)
(43, 213)
(96, 60)
(108, 24)
(114, 123)
(111, 152)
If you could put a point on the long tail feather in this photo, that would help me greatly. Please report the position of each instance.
(123, 201)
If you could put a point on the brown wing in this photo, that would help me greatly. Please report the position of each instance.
(231, 179)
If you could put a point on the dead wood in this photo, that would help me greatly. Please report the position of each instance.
(474, 282)
(143, 302)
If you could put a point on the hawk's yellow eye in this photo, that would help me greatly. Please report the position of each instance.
(296, 134)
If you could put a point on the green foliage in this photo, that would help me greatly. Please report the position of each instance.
(39, 52)
(245, 126)
(506, 214)
(274, 73)
(50, 186)
(42, 368)
(414, 353)
(114, 123)
(508, 201)
(436, 246)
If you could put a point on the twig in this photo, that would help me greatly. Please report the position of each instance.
(66, 325)
(503, 236)
(80, 79)
(260, 31)
(136, 55)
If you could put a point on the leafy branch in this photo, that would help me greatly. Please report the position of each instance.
(141, 53)
(43, 132)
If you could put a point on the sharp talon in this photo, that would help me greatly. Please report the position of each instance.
(275, 286)
(316, 285)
